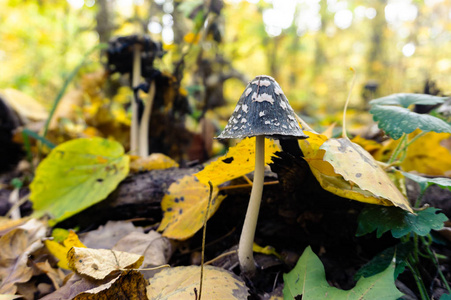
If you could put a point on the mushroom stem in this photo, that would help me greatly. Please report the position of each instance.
(135, 82)
(245, 252)
(145, 123)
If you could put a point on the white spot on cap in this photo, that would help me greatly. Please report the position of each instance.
(235, 121)
(243, 120)
(239, 116)
(278, 90)
(235, 127)
(248, 91)
(285, 127)
(237, 108)
(263, 97)
(291, 117)
(261, 114)
(245, 108)
(263, 82)
(267, 122)
(276, 124)
(283, 104)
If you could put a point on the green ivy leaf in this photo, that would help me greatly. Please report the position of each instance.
(405, 100)
(396, 121)
(76, 175)
(398, 221)
(424, 182)
(308, 279)
(381, 261)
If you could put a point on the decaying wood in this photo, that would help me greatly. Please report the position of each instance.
(138, 196)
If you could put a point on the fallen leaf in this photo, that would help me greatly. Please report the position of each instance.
(155, 161)
(184, 207)
(15, 248)
(76, 175)
(9, 297)
(106, 236)
(60, 251)
(25, 106)
(427, 156)
(308, 279)
(180, 282)
(239, 161)
(56, 275)
(358, 167)
(129, 285)
(99, 263)
(327, 177)
(156, 249)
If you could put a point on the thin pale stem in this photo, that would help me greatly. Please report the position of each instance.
(203, 241)
(135, 82)
(245, 252)
(145, 122)
(397, 149)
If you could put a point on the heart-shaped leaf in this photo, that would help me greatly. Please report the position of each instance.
(396, 121)
(405, 100)
(76, 175)
(308, 279)
(399, 221)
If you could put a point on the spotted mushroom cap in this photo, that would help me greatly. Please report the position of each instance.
(262, 109)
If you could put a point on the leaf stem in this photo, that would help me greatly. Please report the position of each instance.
(397, 149)
(434, 259)
(418, 280)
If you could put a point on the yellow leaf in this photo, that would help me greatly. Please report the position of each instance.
(180, 282)
(239, 161)
(426, 155)
(331, 178)
(358, 167)
(369, 145)
(191, 38)
(155, 161)
(184, 207)
(24, 105)
(99, 263)
(268, 250)
(60, 251)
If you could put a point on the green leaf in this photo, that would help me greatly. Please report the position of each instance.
(405, 100)
(445, 297)
(308, 279)
(424, 182)
(396, 121)
(382, 260)
(399, 221)
(76, 175)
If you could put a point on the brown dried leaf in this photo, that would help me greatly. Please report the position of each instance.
(15, 248)
(106, 236)
(129, 285)
(155, 248)
(99, 263)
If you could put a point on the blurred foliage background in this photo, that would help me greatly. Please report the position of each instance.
(215, 46)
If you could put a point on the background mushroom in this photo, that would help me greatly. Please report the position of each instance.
(262, 111)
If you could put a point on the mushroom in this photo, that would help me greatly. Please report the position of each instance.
(262, 111)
